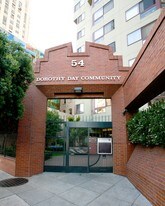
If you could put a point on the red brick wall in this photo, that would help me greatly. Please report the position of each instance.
(146, 166)
(31, 134)
(7, 164)
(146, 170)
(98, 61)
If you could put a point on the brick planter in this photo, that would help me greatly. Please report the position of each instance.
(145, 169)
(7, 164)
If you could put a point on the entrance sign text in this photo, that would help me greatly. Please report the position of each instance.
(75, 63)
(76, 78)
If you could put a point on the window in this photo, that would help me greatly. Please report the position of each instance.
(99, 105)
(79, 108)
(78, 5)
(70, 111)
(4, 20)
(109, 27)
(12, 16)
(139, 34)
(12, 11)
(25, 17)
(99, 34)
(131, 61)
(80, 18)
(132, 12)
(10, 27)
(113, 46)
(96, 1)
(108, 6)
(98, 15)
(11, 22)
(17, 25)
(80, 33)
(145, 4)
(6, 10)
(134, 37)
(81, 49)
(140, 8)
(13, 6)
(146, 30)
(20, 4)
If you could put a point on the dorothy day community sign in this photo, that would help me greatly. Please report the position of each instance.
(76, 78)
(75, 63)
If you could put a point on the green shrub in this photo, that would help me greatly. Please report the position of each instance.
(148, 127)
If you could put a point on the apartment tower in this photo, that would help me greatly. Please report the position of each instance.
(14, 17)
(123, 25)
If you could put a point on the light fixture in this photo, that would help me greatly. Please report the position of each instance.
(78, 90)
(125, 111)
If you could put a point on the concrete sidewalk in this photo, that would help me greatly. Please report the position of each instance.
(72, 189)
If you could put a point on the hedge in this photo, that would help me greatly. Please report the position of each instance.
(148, 127)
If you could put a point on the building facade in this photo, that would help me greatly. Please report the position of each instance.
(96, 110)
(14, 17)
(123, 26)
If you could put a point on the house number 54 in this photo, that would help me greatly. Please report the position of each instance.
(75, 63)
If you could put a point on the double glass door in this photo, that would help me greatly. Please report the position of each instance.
(81, 148)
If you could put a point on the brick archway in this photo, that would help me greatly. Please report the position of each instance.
(98, 72)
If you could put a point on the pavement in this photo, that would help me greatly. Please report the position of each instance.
(72, 189)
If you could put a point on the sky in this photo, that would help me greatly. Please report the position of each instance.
(51, 23)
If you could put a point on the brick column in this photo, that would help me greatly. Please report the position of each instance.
(31, 134)
(119, 133)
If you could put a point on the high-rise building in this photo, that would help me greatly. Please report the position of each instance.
(123, 25)
(14, 17)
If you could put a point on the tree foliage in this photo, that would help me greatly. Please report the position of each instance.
(148, 127)
(53, 123)
(16, 74)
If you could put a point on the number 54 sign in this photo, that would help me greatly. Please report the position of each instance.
(75, 63)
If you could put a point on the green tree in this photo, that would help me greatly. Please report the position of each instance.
(53, 123)
(16, 74)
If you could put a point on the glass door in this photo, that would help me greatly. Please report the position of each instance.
(78, 150)
(55, 149)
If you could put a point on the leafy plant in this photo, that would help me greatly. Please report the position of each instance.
(74, 119)
(53, 123)
(148, 127)
(16, 74)
(53, 127)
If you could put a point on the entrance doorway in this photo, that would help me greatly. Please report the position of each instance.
(81, 147)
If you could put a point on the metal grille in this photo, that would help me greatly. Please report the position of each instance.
(13, 182)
